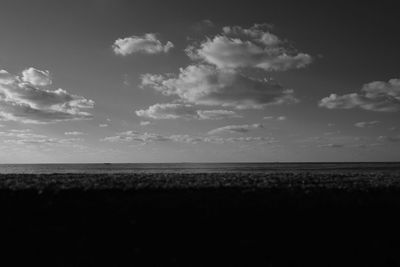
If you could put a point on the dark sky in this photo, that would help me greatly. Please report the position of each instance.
(351, 44)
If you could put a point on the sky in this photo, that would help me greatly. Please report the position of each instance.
(198, 81)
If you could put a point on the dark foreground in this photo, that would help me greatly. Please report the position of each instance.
(282, 219)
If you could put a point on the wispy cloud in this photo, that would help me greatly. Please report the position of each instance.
(27, 137)
(235, 129)
(279, 118)
(134, 136)
(366, 124)
(144, 123)
(74, 133)
(392, 139)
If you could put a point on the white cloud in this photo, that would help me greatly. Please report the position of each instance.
(247, 139)
(176, 110)
(130, 136)
(6, 77)
(148, 44)
(186, 139)
(26, 102)
(374, 96)
(27, 137)
(36, 77)
(207, 85)
(255, 47)
(365, 124)
(74, 133)
(134, 136)
(103, 125)
(235, 129)
(168, 111)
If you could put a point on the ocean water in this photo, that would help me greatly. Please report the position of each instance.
(195, 167)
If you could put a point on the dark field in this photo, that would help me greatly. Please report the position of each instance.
(289, 218)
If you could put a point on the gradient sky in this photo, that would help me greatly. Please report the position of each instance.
(198, 81)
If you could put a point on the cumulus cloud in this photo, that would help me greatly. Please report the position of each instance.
(176, 110)
(235, 129)
(23, 99)
(36, 77)
(375, 96)
(365, 124)
(208, 85)
(103, 125)
(222, 73)
(148, 44)
(253, 47)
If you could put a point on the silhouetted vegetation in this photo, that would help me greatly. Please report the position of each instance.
(342, 218)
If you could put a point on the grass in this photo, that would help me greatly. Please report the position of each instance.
(303, 218)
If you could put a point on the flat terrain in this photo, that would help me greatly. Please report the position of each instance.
(287, 218)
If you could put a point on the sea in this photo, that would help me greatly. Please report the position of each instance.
(109, 168)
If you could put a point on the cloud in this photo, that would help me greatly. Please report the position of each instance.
(375, 96)
(103, 125)
(6, 77)
(36, 77)
(27, 137)
(168, 111)
(148, 44)
(186, 139)
(134, 136)
(391, 139)
(27, 102)
(74, 133)
(255, 47)
(176, 111)
(365, 124)
(279, 118)
(217, 114)
(208, 85)
(247, 139)
(235, 129)
(144, 123)
(130, 136)
(332, 145)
